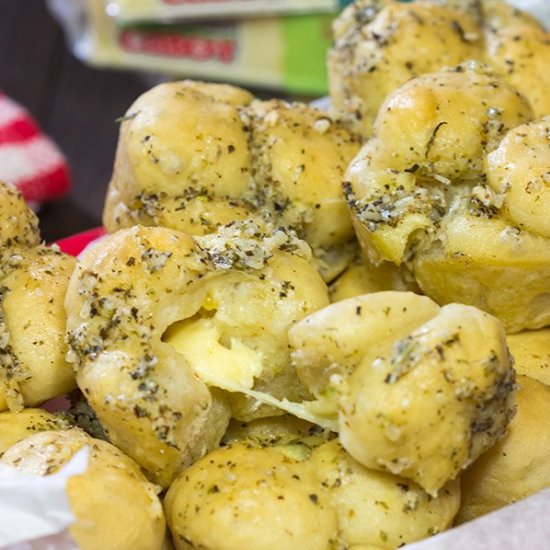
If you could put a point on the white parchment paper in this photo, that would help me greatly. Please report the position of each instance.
(538, 8)
(521, 526)
(34, 510)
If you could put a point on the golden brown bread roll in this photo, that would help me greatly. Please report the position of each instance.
(299, 157)
(182, 159)
(336, 339)
(246, 497)
(517, 170)
(193, 156)
(517, 46)
(378, 508)
(34, 318)
(293, 496)
(381, 44)
(18, 224)
(155, 316)
(419, 391)
(518, 465)
(33, 281)
(452, 189)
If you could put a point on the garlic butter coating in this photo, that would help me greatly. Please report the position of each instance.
(18, 224)
(380, 45)
(182, 159)
(517, 466)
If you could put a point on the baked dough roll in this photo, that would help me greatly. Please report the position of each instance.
(517, 466)
(193, 156)
(419, 391)
(452, 189)
(33, 282)
(182, 159)
(517, 46)
(314, 497)
(379, 45)
(155, 318)
(18, 224)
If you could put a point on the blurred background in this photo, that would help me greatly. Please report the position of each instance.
(71, 68)
(77, 65)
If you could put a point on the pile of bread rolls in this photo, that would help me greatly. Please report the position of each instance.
(306, 328)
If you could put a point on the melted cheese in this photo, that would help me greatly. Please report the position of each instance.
(234, 368)
(214, 363)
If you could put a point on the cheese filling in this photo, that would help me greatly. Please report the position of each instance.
(234, 368)
(214, 363)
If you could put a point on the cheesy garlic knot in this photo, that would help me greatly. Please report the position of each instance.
(33, 281)
(193, 156)
(313, 495)
(170, 336)
(452, 187)
(420, 391)
(381, 44)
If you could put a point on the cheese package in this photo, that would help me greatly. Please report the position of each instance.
(285, 53)
(150, 10)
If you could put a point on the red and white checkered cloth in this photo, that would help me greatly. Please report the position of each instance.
(29, 159)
